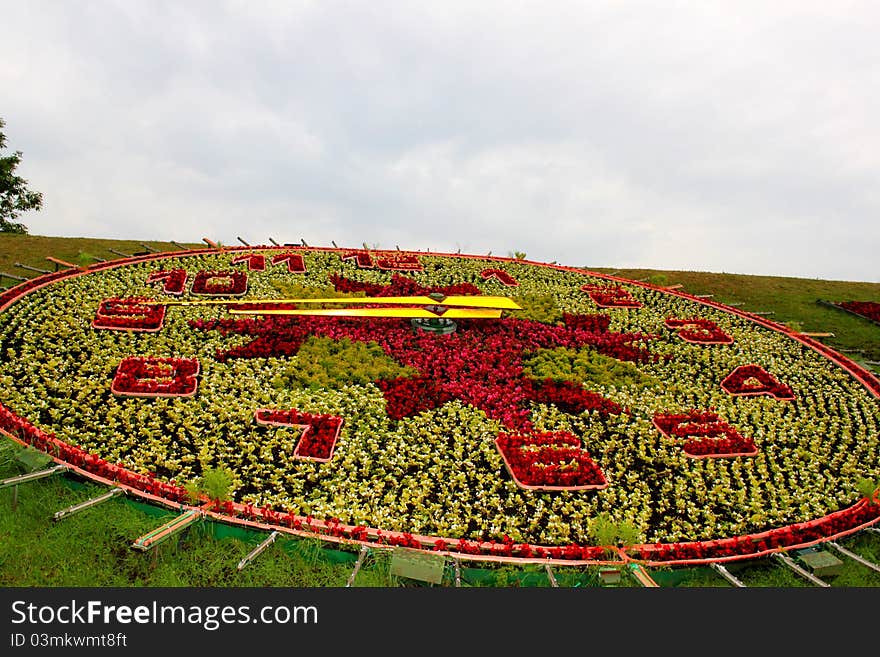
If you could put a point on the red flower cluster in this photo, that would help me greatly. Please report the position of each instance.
(704, 331)
(409, 396)
(129, 314)
(139, 376)
(571, 397)
(295, 264)
(320, 431)
(867, 309)
(549, 460)
(255, 261)
(220, 283)
(480, 364)
(707, 435)
(174, 280)
(400, 286)
(499, 274)
(610, 296)
(385, 260)
(590, 323)
(739, 382)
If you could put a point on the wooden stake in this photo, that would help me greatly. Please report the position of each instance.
(357, 566)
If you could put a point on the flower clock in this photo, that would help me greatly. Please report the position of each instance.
(553, 396)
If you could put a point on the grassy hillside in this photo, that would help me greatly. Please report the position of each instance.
(93, 548)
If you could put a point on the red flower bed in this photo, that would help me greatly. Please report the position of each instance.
(755, 380)
(409, 396)
(385, 260)
(130, 314)
(320, 431)
(139, 376)
(610, 296)
(699, 331)
(500, 275)
(707, 435)
(173, 280)
(867, 309)
(400, 286)
(220, 283)
(571, 397)
(295, 264)
(589, 323)
(550, 460)
(255, 261)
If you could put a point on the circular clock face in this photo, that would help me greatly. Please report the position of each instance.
(455, 401)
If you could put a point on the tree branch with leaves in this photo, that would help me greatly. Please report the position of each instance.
(15, 197)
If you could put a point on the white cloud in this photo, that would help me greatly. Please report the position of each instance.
(736, 137)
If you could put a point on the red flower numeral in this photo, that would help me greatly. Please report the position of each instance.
(134, 314)
(295, 264)
(705, 434)
(500, 275)
(139, 376)
(550, 460)
(319, 436)
(255, 261)
(384, 261)
(699, 331)
(755, 380)
(174, 280)
(220, 283)
(610, 297)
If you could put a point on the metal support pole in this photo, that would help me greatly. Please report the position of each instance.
(334, 244)
(551, 576)
(457, 573)
(810, 577)
(179, 246)
(357, 566)
(149, 248)
(852, 555)
(253, 554)
(763, 312)
(735, 303)
(705, 296)
(242, 241)
(274, 242)
(120, 253)
(12, 276)
(726, 574)
(303, 242)
(32, 476)
(29, 268)
(87, 504)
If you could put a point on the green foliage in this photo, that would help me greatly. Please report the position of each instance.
(216, 483)
(585, 365)
(327, 363)
(85, 259)
(15, 197)
(519, 255)
(606, 532)
(658, 279)
(867, 487)
(539, 307)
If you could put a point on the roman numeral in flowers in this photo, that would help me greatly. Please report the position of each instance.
(320, 431)
(295, 264)
(145, 376)
(500, 275)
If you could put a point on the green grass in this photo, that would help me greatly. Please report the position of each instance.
(93, 547)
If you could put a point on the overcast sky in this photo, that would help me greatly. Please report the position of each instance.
(733, 136)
